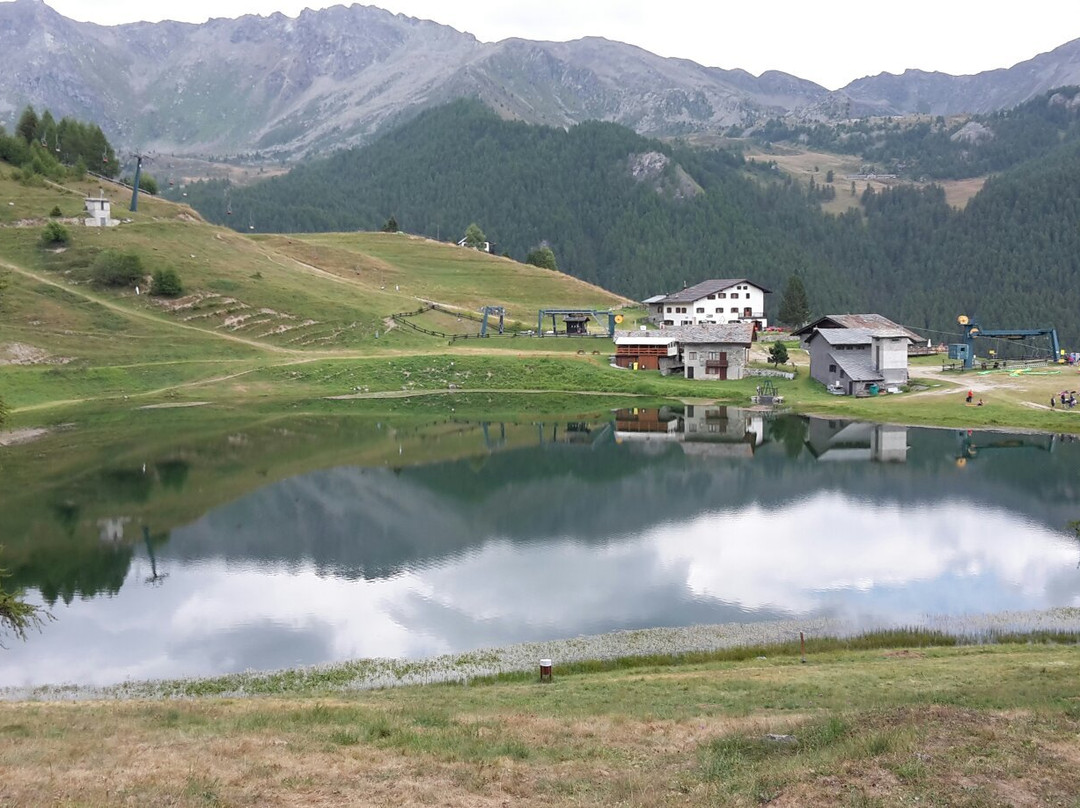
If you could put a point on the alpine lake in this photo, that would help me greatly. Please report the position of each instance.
(322, 538)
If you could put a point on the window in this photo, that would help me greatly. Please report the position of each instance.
(722, 295)
(669, 309)
(692, 356)
(700, 309)
(714, 355)
(712, 297)
(734, 310)
(832, 368)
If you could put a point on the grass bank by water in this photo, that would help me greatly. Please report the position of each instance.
(885, 719)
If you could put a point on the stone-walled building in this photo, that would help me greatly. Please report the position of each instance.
(717, 352)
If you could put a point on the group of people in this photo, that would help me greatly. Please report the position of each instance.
(1067, 397)
(970, 396)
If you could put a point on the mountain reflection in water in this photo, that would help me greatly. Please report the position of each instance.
(652, 517)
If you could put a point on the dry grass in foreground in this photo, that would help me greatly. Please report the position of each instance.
(975, 726)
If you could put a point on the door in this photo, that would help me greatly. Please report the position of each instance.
(689, 371)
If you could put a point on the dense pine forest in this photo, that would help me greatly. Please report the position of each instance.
(642, 217)
(43, 147)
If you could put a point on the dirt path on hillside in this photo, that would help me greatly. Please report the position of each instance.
(142, 315)
(313, 270)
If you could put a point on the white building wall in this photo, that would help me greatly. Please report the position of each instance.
(728, 306)
(892, 356)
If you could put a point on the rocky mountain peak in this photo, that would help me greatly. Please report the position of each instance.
(289, 86)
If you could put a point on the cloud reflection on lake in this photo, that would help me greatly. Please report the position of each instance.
(826, 553)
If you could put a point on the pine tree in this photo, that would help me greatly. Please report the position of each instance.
(794, 307)
(778, 354)
(27, 126)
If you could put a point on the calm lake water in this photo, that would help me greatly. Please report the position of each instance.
(330, 539)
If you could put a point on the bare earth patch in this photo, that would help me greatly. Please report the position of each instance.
(14, 437)
(19, 353)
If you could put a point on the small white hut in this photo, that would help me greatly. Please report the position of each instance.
(98, 211)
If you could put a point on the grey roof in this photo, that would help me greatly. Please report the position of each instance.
(705, 288)
(845, 336)
(870, 322)
(715, 333)
(650, 337)
(653, 299)
(858, 367)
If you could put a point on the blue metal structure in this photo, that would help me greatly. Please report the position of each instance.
(585, 314)
(135, 184)
(973, 330)
(497, 311)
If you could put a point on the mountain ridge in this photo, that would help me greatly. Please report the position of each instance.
(284, 87)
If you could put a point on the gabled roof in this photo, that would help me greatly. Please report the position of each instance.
(713, 333)
(871, 322)
(706, 288)
(653, 299)
(844, 336)
(858, 367)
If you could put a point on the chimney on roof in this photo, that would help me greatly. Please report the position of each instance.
(684, 284)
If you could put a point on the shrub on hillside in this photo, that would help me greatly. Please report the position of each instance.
(56, 212)
(55, 235)
(167, 283)
(115, 268)
(542, 256)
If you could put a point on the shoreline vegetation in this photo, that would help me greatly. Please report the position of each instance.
(964, 711)
(614, 650)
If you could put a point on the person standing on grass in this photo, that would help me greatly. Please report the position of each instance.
(970, 396)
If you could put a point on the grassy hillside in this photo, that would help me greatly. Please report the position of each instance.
(248, 302)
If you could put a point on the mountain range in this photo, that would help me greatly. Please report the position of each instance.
(287, 87)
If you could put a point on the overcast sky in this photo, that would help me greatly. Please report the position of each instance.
(831, 42)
